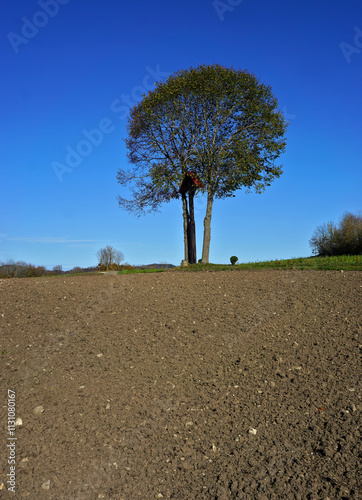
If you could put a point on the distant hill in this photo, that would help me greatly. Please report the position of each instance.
(156, 266)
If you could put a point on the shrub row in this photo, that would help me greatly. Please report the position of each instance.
(21, 270)
(344, 239)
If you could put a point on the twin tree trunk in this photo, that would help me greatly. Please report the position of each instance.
(189, 229)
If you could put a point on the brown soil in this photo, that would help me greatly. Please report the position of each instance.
(236, 385)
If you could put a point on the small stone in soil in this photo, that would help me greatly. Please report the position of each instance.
(46, 485)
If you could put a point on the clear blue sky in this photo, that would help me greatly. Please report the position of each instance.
(67, 65)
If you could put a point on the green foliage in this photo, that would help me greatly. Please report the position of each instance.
(344, 239)
(221, 123)
(233, 260)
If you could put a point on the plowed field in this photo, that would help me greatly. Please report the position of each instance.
(214, 385)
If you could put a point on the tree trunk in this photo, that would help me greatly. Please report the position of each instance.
(185, 219)
(191, 227)
(207, 229)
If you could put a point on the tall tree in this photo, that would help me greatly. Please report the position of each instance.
(221, 123)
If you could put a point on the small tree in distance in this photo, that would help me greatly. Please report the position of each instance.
(109, 257)
(57, 269)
